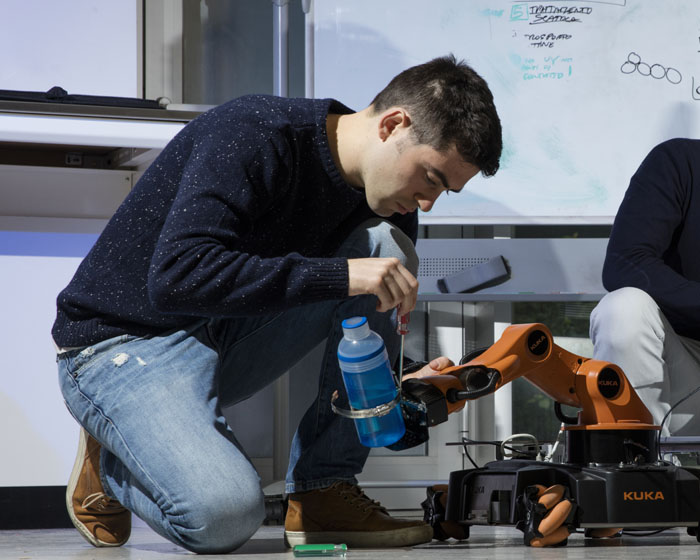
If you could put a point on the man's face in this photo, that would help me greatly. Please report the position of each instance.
(404, 176)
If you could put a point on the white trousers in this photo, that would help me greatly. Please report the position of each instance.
(628, 329)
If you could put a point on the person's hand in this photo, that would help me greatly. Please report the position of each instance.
(387, 279)
(433, 368)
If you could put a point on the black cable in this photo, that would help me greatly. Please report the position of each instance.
(663, 420)
(466, 441)
(633, 533)
(472, 461)
(563, 418)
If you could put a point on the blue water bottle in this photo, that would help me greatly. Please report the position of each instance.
(364, 363)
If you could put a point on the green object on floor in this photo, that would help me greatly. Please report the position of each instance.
(320, 550)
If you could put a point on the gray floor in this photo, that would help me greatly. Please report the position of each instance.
(484, 543)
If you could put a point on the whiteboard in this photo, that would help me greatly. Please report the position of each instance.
(584, 89)
(87, 47)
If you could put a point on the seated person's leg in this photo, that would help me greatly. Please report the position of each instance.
(629, 329)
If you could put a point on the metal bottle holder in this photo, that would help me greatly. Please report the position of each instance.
(374, 412)
(414, 413)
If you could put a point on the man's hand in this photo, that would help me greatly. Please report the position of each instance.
(387, 279)
(433, 368)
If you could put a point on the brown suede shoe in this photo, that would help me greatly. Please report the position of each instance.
(102, 520)
(343, 514)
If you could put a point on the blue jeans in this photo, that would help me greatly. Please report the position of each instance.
(154, 403)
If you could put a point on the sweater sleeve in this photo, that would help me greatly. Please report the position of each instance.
(201, 266)
(646, 227)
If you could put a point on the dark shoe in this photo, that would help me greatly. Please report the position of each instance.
(102, 520)
(342, 513)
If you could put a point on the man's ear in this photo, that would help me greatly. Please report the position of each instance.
(391, 121)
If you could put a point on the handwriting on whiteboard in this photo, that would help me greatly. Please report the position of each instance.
(548, 13)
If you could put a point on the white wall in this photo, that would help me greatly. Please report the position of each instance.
(38, 436)
(50, 216)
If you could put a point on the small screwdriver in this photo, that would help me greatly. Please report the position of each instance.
(402, 329)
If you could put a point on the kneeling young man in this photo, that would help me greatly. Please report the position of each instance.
(261, 226)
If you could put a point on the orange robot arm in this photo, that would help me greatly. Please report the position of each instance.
(599, 389)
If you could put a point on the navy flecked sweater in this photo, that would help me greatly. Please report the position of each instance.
(239, 215)
(655, 240)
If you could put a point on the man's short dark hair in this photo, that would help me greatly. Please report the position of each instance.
(449, 104)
